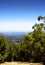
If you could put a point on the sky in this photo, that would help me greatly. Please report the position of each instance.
(20, 15)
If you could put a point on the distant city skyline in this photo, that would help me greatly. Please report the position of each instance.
(20, 15)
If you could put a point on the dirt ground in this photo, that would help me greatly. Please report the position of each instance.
(20, 63)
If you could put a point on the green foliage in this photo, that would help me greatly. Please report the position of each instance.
(3, 48)
(32, 48)
(41, 18)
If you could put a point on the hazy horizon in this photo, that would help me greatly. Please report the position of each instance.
(20, 15)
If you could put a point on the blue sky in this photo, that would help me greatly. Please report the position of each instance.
(20, 15)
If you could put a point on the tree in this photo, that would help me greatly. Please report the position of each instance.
(39, 42)
(35, 42)
(42, 18)
(38, 27)
(3, 48)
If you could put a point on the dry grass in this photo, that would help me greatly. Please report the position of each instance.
(20, 63)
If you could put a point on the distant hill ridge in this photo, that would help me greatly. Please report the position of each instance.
(13, 36)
